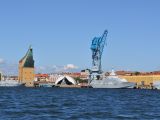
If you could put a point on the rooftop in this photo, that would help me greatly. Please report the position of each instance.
(28, 59)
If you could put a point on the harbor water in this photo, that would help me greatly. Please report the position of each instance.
(78, 104)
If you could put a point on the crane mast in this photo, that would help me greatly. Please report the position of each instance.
(97, 47)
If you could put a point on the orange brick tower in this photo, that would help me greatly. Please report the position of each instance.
(26, 69)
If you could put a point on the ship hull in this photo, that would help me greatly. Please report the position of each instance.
(111, 84)
(10, 83)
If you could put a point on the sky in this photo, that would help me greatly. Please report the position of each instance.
(61, 31)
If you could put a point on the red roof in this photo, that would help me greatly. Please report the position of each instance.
(41, 75)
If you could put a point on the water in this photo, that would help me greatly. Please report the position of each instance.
(78, 104)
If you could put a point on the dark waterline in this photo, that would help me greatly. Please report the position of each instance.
(78, 104)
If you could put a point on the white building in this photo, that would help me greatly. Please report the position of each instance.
(65, 80)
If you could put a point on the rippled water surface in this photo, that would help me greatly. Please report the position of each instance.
(78, 104)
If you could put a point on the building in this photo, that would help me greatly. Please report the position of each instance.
(144, 80)
(125, 73)
(26, 69)
(53, 77)
(65, 80)
(42, 77)
(73, 75)
(85, 74)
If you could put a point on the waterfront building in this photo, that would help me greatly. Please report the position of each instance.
(53, 77)
(140, 78)
(73, 75)
(42, 77)
(146, 80)
(26, 69)
(85, 74)
(143, 81)
(65, 80)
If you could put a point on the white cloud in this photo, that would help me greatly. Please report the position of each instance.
(12, 68)
(70, 66)
(56, 68)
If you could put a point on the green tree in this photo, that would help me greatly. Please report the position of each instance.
(137, 73)
(79, 80)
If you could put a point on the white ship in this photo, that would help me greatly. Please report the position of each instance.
(112, 81)
(9, 83)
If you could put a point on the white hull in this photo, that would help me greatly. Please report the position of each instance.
(9, 83)
(112, 81)
(102, 84)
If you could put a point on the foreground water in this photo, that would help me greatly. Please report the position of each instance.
(62, 103)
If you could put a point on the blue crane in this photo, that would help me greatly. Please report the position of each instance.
(97, 47)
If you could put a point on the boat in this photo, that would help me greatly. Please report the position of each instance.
(111, 81)
(10, 83)
(156, 84)
(46, 85)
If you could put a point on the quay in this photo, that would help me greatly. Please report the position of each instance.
(84, 85)
(52, 84)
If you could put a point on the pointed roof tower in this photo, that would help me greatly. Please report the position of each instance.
(27, 60)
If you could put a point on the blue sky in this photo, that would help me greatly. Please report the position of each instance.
(61, 31)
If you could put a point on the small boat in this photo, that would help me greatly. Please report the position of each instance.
(10, 83)
(46, 85)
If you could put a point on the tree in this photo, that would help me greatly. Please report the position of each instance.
(137, 73)
(79, 80)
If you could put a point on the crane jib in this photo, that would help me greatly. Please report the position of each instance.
(97, 47)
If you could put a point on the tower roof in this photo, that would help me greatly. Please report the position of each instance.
(27, 60)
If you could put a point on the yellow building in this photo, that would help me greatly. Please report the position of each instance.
(26, 69)
(146, 80)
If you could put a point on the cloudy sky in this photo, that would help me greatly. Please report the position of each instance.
(61, 31)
